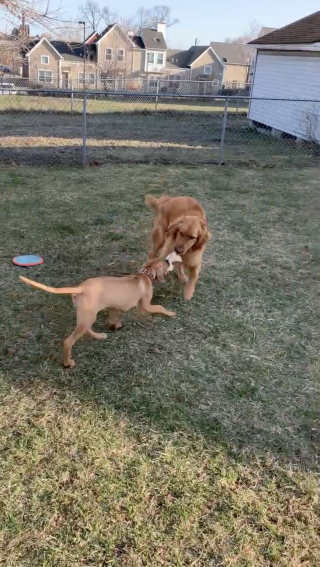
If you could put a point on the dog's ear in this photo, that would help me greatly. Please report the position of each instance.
(204, 235)
(172, 228)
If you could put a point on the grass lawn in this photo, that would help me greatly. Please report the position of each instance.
(184, 442)
(115, 104)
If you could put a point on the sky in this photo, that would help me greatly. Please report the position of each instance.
(207, 20)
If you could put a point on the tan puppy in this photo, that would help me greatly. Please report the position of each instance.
(115, 294)
(180, 224)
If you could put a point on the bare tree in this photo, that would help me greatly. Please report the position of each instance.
(161, 14)
(35, 12)
(107, 16)
(251, 33)
(70, 32)
(91, 13)
(149, 18)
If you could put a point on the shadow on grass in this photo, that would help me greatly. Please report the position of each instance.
(235, 367)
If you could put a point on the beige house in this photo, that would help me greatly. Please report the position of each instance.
(226, 63)
(112, 54)
(199, 63)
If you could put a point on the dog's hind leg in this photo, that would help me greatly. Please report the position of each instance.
(114, 319)
(84, 321)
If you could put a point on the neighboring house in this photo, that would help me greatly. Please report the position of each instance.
(236, 58)
(288, 67)
(199, 63)
(226, 63)
(10, 56)
(112, 54)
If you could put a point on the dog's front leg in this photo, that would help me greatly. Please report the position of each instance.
(146, 306)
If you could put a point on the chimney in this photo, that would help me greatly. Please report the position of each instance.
(161, 28)
(130, 33)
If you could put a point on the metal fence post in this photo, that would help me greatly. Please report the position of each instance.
(223, 132)
(157, 94)
(84, 144)
(71, 97)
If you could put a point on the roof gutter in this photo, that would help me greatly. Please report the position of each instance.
(288, 46)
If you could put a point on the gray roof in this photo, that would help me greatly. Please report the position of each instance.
(196, 51)
(232, 53)
(177, 59)
(153, 39)
(265, 30)
(306, 30)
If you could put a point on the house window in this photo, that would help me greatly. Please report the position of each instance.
(150, 57)
(44, 59)
(108, 54)
(45, 76)
(81, 78)
(207, 70)
(120, 54)
(153, 81)
(91, 78)
(160, 59)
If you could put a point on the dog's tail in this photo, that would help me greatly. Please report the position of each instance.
(58, 290)
(151, 202)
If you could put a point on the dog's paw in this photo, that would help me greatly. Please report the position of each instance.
(70, 364)
(115, 327)
(188, 291)
(172, 313)
(183, 278)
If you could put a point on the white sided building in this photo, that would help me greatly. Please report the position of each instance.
(287, 67)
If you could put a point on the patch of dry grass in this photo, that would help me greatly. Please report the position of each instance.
(184, 442)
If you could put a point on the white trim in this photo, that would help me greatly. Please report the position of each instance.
(214, 53)
(112, 28)
(289, 47)
(44, 39)
(45, 71)
(163, 58)
(105, 53)
(42, 62)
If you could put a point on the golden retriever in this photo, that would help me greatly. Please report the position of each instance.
(112, 293)
(180, 225)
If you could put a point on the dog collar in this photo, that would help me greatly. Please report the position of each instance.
(145, 272)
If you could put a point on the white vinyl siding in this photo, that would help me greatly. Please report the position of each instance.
(290, 76)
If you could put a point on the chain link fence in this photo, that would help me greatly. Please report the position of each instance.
(149, 85)
(96, 127)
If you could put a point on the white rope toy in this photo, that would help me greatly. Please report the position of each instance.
(173, 257)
